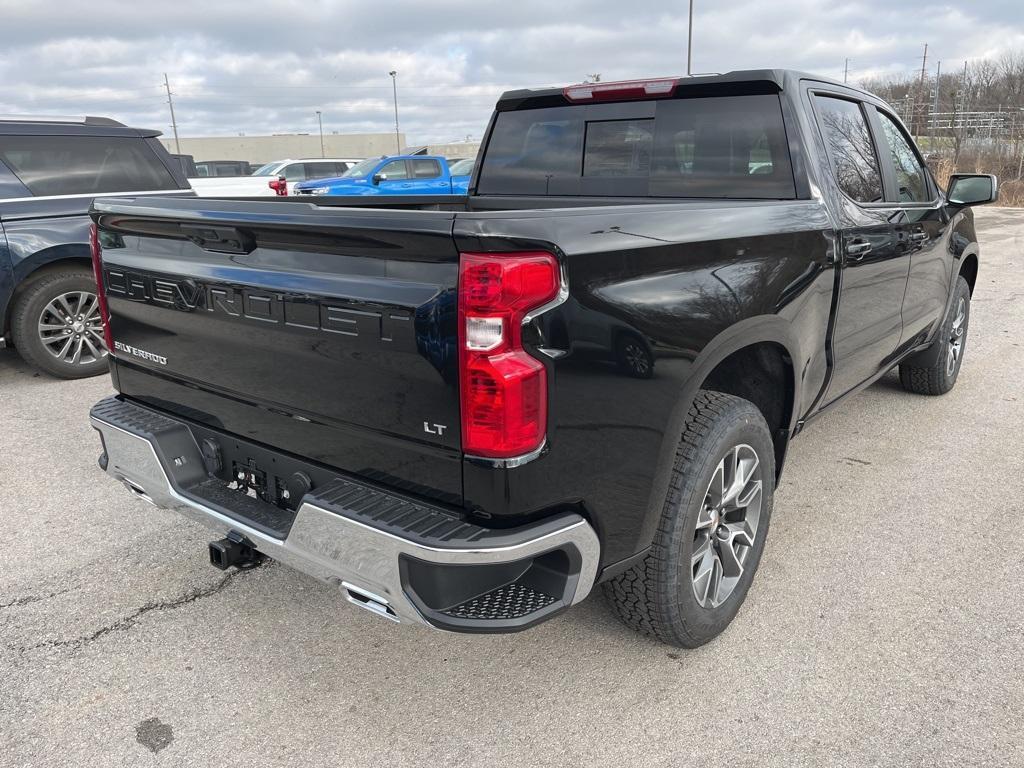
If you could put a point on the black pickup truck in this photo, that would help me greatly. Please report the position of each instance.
(468, 412)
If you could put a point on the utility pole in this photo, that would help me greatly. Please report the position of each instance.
(963, 91)
(935, 102)
(924, 101)
(846, 72)
(174, 124)
(689, 44)
(394, 91)
(320, 122)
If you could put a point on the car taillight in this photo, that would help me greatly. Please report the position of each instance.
(101, 288)
(280, 186)
(503, 389)
(621, 90)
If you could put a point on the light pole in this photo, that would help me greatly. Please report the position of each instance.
(320, 122)
(689, 44)
(394, 91)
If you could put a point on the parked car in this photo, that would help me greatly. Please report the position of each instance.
(388, 394)
(460, 171)
(397, 175)
(223, 168)
(186, 164)
(271, 179)
(50, 170)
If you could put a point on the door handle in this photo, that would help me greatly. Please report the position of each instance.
(857, 250)
(918, 237)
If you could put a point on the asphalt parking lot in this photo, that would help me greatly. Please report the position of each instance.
(885, 627)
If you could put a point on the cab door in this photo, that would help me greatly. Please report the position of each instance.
(429, 177)
(393, 178)
(872, 264)
(922, 230)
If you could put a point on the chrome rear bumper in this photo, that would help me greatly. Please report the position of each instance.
(376, 563)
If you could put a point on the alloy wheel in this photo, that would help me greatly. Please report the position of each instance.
(956, 338)
(636, 358)
(726, 526)
(71, 329)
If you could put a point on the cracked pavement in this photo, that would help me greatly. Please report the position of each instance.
(885, 627)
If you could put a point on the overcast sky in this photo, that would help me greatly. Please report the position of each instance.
(260, 67)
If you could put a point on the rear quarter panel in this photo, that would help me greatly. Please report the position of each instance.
(695, 281)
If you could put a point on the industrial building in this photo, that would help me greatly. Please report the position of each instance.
(264, 149)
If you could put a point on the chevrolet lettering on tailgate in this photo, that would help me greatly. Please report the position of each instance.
(300, 311)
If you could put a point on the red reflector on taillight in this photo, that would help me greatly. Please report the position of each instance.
(503, 388)
(621, 90)
(101, 288)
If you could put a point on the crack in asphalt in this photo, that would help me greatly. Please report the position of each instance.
(128, 622)
(27, 599)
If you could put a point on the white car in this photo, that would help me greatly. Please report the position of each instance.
(259, 183)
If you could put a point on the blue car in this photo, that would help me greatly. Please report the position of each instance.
(461, 170)
(397, 175)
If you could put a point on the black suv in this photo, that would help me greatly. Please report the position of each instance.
(50, 171)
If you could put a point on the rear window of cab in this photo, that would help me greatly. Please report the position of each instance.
(720, 147)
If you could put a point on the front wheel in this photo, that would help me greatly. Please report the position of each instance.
(713, 527)
(947, 350)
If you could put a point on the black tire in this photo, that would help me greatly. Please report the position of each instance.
(28, 311)
(658, 596)
(941, 376)
(633, 356)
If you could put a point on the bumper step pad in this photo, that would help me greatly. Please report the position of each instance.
(512, 601)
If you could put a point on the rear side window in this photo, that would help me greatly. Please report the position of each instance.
(425, 169)
(320, 170)
(76, 165)
(730, 146)
(851, 149)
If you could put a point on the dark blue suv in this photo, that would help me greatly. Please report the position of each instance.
(51, 169)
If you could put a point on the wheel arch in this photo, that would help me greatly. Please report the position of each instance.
(39, 265)
(753, 336)
(969, 269)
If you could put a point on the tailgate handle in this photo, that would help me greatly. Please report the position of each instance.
(219, 239)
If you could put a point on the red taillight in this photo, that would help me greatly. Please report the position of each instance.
(621, 90)
(504, 389)
(280, 186)
(101, 288)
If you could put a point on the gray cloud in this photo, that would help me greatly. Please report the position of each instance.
(265, 68)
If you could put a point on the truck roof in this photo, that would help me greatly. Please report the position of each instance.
(730, 83)
(62, 125)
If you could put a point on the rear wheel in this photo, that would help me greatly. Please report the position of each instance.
(712, 531)
(56, 325)
(940, 377)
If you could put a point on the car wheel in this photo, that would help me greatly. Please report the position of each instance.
(634, 357)
(712, 531)
(56, 325)
(940, 377)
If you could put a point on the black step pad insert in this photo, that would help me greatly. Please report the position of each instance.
(511, 601)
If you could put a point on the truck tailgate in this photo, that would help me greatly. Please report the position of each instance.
(328, 333)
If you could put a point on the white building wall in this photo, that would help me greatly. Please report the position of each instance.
(265, 149)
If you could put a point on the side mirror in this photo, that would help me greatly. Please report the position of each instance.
(972, 189)
(379, 177)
